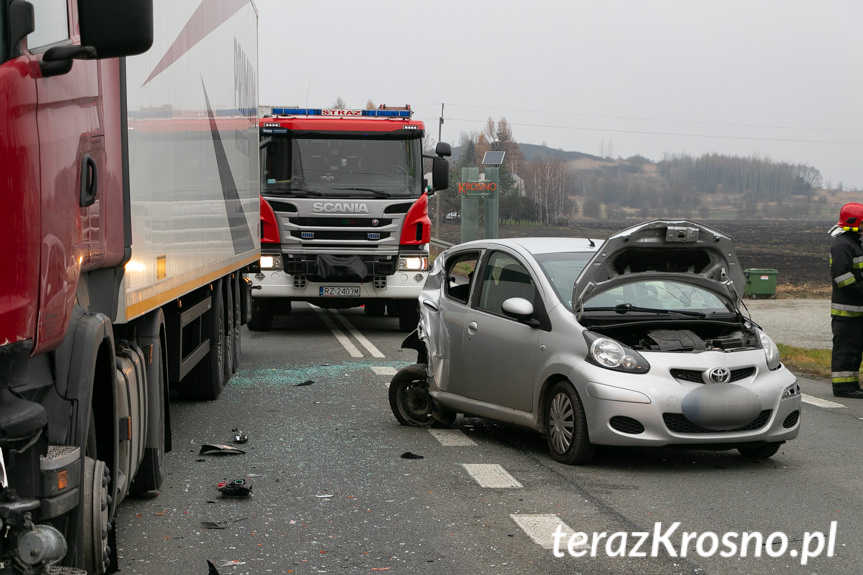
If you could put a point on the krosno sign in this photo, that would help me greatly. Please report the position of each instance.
(482, 187)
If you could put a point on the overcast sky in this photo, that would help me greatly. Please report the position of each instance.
(780, 79)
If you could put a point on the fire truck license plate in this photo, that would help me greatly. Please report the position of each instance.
(340, 291)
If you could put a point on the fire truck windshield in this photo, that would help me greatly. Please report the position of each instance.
(342, 167)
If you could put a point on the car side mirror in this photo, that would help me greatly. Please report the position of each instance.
(518, 309)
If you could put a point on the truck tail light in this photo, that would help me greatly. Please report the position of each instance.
(269, 224)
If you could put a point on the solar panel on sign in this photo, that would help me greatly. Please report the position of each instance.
(493, 158)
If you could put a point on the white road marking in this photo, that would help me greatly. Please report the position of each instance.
(491, 475)
(817, 401)
(452, 438)
(341, 337)
(541, 529)
(364, 341)
(384, 370)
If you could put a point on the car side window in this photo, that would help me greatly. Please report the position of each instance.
(504, 278)
(460, 276)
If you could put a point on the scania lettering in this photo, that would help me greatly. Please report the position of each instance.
(341, 208)
(131, 200)
(344, 211)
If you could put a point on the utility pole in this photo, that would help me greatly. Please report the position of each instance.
(437, 196)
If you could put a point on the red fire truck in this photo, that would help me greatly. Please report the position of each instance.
(344, 211)
(131, 198)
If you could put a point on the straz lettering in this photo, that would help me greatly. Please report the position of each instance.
(340, 207)
(465, 187)
(328, 112)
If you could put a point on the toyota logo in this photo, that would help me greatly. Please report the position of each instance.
(719, 375)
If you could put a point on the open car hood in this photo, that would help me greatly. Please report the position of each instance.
(664, 249)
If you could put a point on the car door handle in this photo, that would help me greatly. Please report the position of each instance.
(472, 328)
(431, 305)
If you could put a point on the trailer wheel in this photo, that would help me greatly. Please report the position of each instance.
(207, 379)
(262, 316)
(230, 330)
(238, 317)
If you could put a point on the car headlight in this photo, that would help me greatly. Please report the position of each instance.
(413, 263)
(271, 262)
(771, 352)
(611, 354)
(792, 390)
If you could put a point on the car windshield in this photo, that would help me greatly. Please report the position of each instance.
(562, 269)
(342, 167)
(658, 296)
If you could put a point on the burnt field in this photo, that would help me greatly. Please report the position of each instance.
(798, 250)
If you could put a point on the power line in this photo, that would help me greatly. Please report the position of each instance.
(665, 120)
(674, 134)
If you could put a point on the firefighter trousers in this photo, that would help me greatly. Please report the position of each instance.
(847, 353)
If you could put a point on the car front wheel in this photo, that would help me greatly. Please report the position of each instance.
(566, 426)
(410, 400)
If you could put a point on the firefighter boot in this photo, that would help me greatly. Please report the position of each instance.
(847, 390)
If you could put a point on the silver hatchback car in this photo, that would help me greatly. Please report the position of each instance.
(639, 341)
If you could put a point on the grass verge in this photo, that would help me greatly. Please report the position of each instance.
(813, 362)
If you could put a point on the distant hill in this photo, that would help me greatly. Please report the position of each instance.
(532, 151)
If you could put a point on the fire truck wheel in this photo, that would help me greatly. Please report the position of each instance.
(262, 316)
(206, 380)
(409, 315)
(375, 308)
(97, 529)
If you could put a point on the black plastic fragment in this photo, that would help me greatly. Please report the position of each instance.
(235, 488)
(219, 449)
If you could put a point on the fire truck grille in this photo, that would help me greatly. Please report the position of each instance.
(341, 222)
(331, 235)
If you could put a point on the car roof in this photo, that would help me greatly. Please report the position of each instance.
(544, 245)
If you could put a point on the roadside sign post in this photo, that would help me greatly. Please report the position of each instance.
(473, 187)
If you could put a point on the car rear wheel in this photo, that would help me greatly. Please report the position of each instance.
(762, 452)
(566, 426)
(410, 400)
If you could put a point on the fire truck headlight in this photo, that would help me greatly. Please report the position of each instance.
(413, 264)
(271, 262)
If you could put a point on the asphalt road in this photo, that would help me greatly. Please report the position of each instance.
(798, 322)
(332, 492)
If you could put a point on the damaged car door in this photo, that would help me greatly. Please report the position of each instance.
(506, 380)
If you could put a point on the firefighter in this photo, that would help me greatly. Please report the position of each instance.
(846, 303)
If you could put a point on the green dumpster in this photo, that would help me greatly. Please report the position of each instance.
(760, 283)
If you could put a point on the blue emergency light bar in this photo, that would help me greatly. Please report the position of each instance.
(341, 113)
